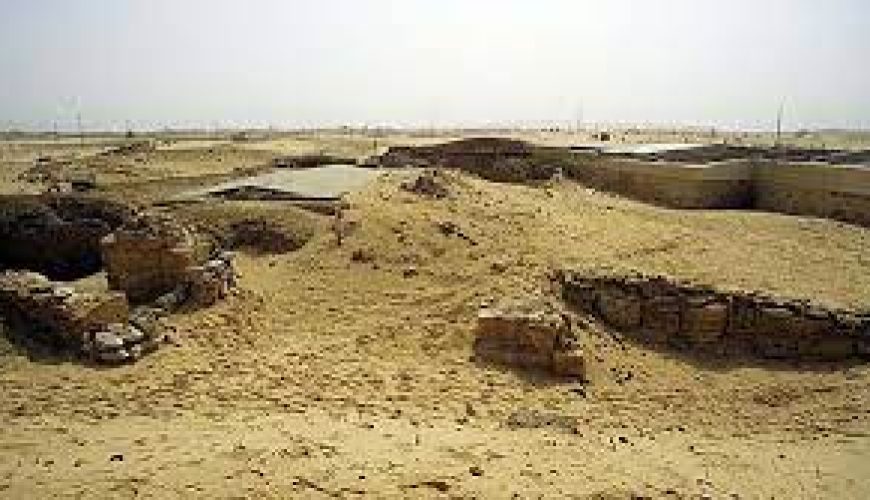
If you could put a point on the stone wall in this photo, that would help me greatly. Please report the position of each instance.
(56, 235)
(781, 180)
(528, 334)
(97, 325)
(840, 192)
(665, 312)
(720, 185)
(822, 190)
(155, 257)
(150, 257)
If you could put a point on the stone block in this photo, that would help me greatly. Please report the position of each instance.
(527, 333)
(743, 317)
(705, 321)
(620, 308)
(569, 363)
(834, 348)
(776, 347)
(662, 316)
(154, 256)
(775, 321)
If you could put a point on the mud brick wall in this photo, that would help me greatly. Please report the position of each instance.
(659, 311)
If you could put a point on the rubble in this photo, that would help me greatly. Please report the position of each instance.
(529, 333)
(210, 282)
(134, 147)
(492, 158)
(96, 325)
(310, 161)
(56, 235)
(151, 259)
(666, 312)
(429, 183)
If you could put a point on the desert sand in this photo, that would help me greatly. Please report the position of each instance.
(346, 371)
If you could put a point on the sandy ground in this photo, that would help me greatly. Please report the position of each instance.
(325, 376)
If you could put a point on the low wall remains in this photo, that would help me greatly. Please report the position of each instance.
(98, 325)
(154, 257)
(529, 333)
(665, 312)
(57, 235)
(840, 192)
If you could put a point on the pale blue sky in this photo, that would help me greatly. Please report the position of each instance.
(433, 62)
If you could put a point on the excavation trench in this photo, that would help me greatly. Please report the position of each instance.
(57, 236)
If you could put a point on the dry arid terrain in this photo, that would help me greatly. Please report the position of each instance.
(347, 370)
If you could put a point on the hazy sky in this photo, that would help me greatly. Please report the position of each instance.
(433, 62)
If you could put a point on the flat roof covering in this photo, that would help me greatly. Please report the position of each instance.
(610, 148)
(324, 182)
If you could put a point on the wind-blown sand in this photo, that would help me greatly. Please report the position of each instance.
(328, 376)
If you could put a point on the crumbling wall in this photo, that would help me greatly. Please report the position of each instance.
(57, 235)
(311, 161)
(155, 256)
(661, 311)
(528, 334)
(492, 158)
(97, 325)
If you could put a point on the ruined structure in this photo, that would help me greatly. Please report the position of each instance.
(310, 161)
(154, 256)
(56, 235)
(823, 183)
(148, 259)
(664, 312)
(529, 334)
(97, 325)
(129, 148)
(495, 159)
(429, 183)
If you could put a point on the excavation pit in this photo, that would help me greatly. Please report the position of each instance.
(56, 235)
